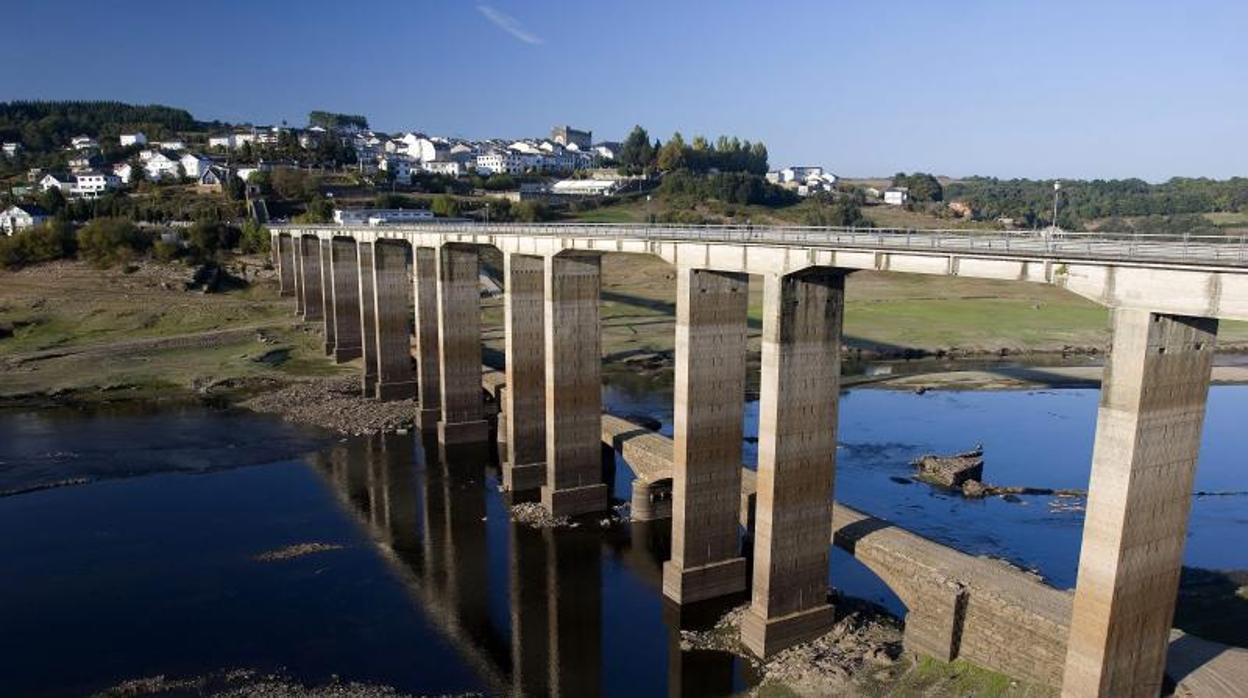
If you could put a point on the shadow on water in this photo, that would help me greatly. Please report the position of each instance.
(567, 611)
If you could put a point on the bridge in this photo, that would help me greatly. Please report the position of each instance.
(1166, 295)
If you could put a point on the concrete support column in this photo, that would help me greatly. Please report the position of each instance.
(346, 267)
(285, 264)
(711, 313)
(428, 372)
(459, 346)
(327, 295)
(393, 339)
(573, 386)
(310, 272)
(524, 407)
(1148, 431)
(368, 319)
(802, 318)
(296, 264)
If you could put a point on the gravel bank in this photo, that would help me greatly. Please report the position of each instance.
(335, 404)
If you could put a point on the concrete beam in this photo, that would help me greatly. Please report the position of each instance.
(573, 386)
(327, 295)
(368, 319)
(1143, 463)
(459, 347)
(524, 417)
(711, 314)
(395, 380)
(346, 268)
(310, 274)
(802, 319)
(285, 265)
(428, 371)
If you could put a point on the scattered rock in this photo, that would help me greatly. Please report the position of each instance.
(973, 488)
(291, 552)
(951, 471)
(535, 515)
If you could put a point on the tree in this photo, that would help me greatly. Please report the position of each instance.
(636, 153)
(672, 155)
(922, 186)
(52, 201)
(445, 206)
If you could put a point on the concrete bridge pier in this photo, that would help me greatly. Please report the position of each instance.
(1148, 432)
(327, 294)
(573, 385)
(285, 248)
(711, 315)
(524, 407)
(395, 380)
(368, 319)
(296, 262)
(345, 262)
(428, 372)
(459, 347)
(802, 318)
(311, 275)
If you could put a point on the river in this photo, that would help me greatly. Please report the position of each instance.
(154, 563)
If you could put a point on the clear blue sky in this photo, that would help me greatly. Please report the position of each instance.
(998, 87)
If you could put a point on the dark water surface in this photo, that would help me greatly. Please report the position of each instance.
(150, 567)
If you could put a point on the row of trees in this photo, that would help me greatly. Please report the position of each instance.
(727, 154)
(1084, 201)
(111, 241)
(684, 188)
(43, 126)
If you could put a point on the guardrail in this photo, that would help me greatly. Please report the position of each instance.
(1220, 250)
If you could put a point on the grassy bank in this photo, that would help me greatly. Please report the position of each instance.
(77, 333)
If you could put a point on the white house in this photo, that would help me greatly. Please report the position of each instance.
(607, 150)
(56, 181)
(380, 216)
(84, 161)
(399, 165)
(128, 139)
(225, 142)
(124, 172)
(500, 162)
(21, 216)
(83, 143)
(11, 149)
(92, 183)
(896, 196)
(424, 149)
(450, 168)
(194, 165)
(526, 148)
(586, 187)
(159, 165)
(171, 145)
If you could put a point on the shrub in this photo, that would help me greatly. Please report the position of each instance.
(109, 241)
(43, 243)
(254, 238)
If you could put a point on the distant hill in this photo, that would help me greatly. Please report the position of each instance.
(46, 126)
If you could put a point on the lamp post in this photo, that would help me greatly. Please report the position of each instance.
(1057, 186)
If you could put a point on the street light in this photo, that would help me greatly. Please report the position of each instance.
(1057, 186)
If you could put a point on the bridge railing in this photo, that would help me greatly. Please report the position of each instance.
(1197, 249)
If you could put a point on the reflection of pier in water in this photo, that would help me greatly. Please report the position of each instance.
(430, 519)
